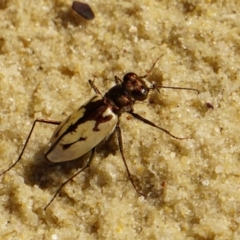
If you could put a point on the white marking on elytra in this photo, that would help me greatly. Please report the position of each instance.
(81, 140)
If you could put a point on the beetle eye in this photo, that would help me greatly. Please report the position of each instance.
(140, 94)
(144, 91)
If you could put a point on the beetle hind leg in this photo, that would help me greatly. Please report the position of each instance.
(73, 176)
(26, 142)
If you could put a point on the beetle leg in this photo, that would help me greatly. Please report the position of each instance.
(73, 176)
(138, 117)
(29, 135)
(94, 87)
(119, 136)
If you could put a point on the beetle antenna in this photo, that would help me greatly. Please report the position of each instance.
(157, 87)
(150, 70)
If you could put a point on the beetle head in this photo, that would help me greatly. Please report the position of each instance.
(135, 86)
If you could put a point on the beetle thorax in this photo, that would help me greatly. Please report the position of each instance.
(119, 100)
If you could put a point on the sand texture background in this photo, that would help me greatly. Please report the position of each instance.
(47, 55)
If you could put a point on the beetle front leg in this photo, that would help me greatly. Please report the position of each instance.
(144, 120)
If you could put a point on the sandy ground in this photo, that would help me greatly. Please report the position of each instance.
(47, 55)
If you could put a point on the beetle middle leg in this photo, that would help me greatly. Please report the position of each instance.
(119, 136)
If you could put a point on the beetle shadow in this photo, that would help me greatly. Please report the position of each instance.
(146, 182)
(44, 174)
(108, 146)
(152, 185)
